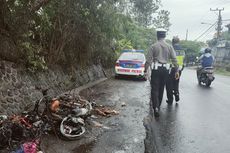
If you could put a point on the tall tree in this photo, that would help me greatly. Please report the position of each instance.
(162, 20)
(48, 32)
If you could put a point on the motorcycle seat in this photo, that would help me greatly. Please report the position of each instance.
(206, 68)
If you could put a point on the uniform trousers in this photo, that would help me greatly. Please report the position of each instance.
(158, 81)
(172, 85)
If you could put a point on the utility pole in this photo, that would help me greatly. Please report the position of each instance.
(219, 22)
(186, 38)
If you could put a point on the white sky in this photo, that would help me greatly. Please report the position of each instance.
(188, 14)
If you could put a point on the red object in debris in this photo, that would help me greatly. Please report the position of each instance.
(55, 105)
(23, 121)
(30, 147)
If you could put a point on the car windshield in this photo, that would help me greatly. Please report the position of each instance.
(132, 56)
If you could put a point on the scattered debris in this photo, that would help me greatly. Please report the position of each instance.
(30, 147)
(99, 112)
(55, 104)
(96, 124)
(106, 127)
(105, 111)
(99, 125)
(93, 116)
(66, 113)
(123, 104)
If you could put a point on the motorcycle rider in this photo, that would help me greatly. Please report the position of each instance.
(172, 84)
(206, 60)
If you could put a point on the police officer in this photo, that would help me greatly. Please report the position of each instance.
(158, 58)
(172, 84)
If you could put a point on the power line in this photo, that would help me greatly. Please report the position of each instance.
(206, 31)
(205, 36)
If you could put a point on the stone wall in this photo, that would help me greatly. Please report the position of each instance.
(19, 88)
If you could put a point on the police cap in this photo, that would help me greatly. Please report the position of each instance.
(161, 33)
(161, 30)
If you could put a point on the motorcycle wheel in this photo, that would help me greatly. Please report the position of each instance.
(70, 130)
(208, 83)
(199, 82)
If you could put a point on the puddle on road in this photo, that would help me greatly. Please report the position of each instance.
(85, 148)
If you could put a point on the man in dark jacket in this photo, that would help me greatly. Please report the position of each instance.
(172, 84)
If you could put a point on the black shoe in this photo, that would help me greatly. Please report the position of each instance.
(169, 102)
(177, 98)
(156, 112)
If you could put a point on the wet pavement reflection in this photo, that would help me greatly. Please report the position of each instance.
(199, 123)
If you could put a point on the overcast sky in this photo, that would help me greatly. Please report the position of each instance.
(188, 14)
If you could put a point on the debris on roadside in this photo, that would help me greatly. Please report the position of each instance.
(93, 117)
(123, 104)
(67, 114)
(106, 111)
(96, 124)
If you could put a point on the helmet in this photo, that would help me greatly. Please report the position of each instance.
(175, 40)
(161, 33)
(207, 50)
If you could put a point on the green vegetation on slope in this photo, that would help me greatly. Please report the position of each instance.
(47, 32)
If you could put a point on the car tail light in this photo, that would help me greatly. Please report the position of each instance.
(117, 64)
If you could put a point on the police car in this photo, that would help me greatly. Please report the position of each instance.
(132, 63)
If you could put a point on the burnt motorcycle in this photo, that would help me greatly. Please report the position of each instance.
(66, 114)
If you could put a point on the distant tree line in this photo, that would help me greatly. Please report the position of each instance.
(192, 50)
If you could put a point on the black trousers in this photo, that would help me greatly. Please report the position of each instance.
(158, 80)
(172, 85)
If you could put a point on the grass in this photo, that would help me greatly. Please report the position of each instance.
(222, 71)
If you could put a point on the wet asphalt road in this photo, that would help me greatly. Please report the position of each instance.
(199, 123)
(126, 133)
(123, 133)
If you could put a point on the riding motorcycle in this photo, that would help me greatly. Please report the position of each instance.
(205, 76)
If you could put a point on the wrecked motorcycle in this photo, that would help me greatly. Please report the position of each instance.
(65, 114)
(17, 130)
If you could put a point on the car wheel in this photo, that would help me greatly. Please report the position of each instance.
(117, 76)
(144, 79)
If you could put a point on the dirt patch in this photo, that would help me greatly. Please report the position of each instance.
(85, 148)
